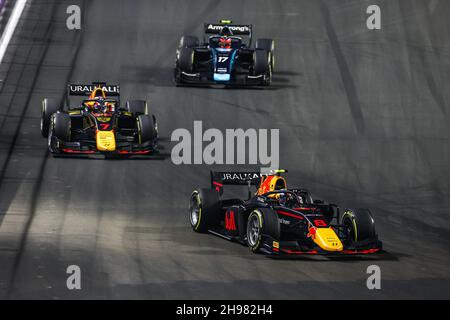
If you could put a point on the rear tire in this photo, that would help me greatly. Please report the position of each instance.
(49, 107)
(359, 224)
(61, 126)
(261, 222)
(188, 42)
(204, 209)
(147, 129)
(137, 107)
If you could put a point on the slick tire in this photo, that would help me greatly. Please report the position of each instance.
(185, 60)
(61, 126)
(204, 209)
(147, 128)
(261, 222)
(268, 45)
(49, 107)
(359, 224)
(137, 107)
(262, 65)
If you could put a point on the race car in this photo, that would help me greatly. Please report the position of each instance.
(98, 125)
(278, 221)
(225, 57)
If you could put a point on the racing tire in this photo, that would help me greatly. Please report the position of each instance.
(204, 209)
(61, 126)
(137, 107)
(269, 45)
(261, 222)
(262, 65)
(185, 61)
(359, 225)
(188, 42)
(147, 128)
(49, 107)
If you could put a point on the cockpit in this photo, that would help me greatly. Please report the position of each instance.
(234, 42)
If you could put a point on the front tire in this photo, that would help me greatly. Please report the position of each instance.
(49, 107)
(61, 126)
(147, 129)
(262, 66)
(268, 45)
(185, 61)
(359, 225)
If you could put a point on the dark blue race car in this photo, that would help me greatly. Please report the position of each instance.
(226, 56)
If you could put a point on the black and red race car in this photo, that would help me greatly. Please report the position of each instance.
(280, 221)
(99, 124)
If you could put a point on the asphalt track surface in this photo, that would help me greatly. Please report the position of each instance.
(363, 118)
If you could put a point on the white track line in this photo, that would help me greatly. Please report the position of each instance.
(11, 26)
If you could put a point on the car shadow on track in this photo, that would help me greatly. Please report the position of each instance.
(158, 156)
(163, 77)
(382, 256)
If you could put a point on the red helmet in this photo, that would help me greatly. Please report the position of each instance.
(225, 42)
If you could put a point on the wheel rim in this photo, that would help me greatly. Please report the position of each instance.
(253, 230)
(195, 210)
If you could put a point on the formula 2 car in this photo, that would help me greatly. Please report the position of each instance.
(98, 124)
(278, 221)
(225, 57)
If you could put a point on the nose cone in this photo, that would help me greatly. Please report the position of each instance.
(326, 239)
(106, 141)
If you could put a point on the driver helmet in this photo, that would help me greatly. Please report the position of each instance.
(97, 103)
(225, 40)
(280, 184)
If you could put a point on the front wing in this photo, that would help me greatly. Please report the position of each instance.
(88, 147)
(283, 248)
(207, 78)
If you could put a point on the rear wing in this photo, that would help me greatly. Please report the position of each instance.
(243, 178)
(237, 29)
(86, 90)
(219, 179)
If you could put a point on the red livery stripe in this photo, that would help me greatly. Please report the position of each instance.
(289, 214)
